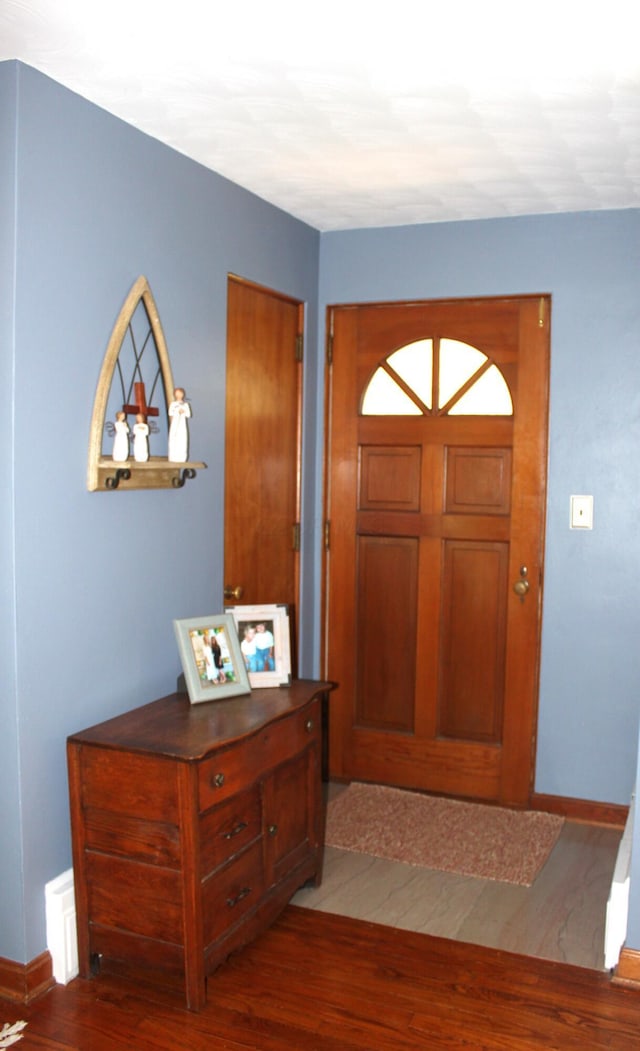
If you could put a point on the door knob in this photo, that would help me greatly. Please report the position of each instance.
(233, 592)
(522, 586)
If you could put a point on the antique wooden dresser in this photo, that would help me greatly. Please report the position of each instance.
(193, 825)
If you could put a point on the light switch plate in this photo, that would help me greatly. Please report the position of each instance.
(581, 512)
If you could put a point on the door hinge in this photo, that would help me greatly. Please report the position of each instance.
(327, 534)
(541, 312)
(299, 346)
(330, 348)
(330, 340)
(296, 536)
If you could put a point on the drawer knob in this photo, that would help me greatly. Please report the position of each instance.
(240, 827)
(309, 725)
(217, 780)
(272, 830)
(231, 902)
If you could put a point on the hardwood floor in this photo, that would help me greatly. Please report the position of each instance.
(318, 982)
(386, 957)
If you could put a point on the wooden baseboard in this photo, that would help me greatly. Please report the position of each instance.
(627, 971)
(23, 982)
(584, 810)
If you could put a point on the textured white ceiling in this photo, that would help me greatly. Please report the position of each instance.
(348, 114)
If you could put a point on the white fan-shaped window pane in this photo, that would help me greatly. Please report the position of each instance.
(414, 363)
(489, 396)
(458, 362)
(383, 397)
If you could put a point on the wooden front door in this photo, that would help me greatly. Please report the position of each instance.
(435, 503)
(262, 447)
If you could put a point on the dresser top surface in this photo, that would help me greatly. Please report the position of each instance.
(172, 726)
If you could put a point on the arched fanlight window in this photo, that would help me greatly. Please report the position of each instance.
(442, 377)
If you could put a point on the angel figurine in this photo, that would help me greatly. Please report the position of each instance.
(141, 439)
(179, 412)
(121, 438)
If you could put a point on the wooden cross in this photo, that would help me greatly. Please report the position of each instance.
(141, 407)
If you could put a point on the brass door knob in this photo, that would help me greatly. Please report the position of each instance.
(522, 586)
(233, 592)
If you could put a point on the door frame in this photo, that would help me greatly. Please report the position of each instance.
(520, 726)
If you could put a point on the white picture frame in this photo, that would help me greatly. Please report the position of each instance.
(273, 666)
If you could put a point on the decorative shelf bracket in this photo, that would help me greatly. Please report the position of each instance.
(188, 472)
(113, 481)
(158, 472)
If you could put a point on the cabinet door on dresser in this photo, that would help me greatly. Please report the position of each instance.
(291, 814)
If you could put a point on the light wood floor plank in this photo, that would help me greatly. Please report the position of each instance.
(561, 917)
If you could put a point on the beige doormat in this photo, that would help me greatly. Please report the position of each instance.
(472, 839)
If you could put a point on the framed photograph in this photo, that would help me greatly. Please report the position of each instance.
(263, 634)
(211, 659)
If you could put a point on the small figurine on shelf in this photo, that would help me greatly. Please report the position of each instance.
(141, 439)
(179, 412)
(121, 438)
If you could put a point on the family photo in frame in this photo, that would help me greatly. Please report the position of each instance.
(263, 634)
(212, 662)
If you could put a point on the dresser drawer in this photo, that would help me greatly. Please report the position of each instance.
(226, 773)
(228, 828)
(231, 892)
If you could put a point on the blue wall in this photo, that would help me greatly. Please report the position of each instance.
(92, 581)
(100, 576)
(11, 908)
(590, 263)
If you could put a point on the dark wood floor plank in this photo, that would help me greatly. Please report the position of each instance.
(458, 997)
(317, 982)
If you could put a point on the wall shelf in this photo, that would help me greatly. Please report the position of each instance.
(156, 473)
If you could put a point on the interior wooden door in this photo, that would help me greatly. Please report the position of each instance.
(434, 561)
(262, 450)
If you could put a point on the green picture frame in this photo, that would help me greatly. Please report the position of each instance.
(212, 662)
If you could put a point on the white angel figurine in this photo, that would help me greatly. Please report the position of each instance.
(121, 438)
(179, 412)
(141, 439)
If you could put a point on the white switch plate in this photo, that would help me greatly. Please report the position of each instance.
(581, 512)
